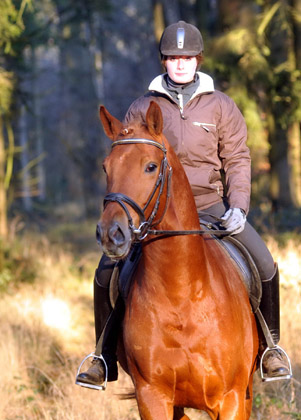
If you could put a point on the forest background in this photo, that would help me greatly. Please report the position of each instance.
(61, 59)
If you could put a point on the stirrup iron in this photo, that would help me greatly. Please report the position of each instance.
(266, 378)
(101, 387)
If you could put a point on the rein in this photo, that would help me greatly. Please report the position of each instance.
(145, 225)
(210, 228)
(214, 232)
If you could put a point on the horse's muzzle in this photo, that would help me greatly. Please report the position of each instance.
(114, 238)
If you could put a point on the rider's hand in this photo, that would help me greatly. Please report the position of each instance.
(234, 220)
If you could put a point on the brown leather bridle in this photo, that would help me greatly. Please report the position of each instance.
(164, 178)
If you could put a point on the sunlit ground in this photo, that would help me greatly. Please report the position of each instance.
(56, 313)
(289, 262)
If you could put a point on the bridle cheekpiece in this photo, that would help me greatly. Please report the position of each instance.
(164, 177)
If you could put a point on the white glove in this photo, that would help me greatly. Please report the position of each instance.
(234, 220)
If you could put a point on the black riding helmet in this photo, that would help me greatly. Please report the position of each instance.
(181, 39)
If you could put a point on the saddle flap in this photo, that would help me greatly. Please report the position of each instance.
(247, 268)
(128, 269)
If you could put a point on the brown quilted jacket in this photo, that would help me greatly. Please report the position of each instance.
(209, 135)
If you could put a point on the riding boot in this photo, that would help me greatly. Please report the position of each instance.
(275, 363)
(107, 321)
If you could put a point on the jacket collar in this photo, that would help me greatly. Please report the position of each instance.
(206, 85)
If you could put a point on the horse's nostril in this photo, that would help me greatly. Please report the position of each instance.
(116, 235)
(98, 233)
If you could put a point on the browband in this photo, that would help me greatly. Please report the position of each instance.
(140, 140)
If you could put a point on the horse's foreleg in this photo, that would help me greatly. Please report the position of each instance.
(249, 400)
(152, 404)
(178, 414)
(233, 407)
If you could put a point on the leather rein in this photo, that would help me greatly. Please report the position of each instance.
(146, 226)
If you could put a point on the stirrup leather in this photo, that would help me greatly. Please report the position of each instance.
(266, 378)
(101, 387)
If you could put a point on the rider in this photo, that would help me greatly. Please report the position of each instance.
(208, 133)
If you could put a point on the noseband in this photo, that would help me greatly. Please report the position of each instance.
(164, 177)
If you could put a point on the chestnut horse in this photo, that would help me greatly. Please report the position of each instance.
(189, 334)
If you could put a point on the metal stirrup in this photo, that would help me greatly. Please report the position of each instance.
(101, 387)
(266, 378)
(271, 346)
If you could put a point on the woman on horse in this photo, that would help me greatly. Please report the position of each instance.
(208, 133)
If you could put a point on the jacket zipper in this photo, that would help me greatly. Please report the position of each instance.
(181, 105)
(205, 126)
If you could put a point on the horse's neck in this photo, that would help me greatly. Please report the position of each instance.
(177, 255)
(172, 268)
(182, 212)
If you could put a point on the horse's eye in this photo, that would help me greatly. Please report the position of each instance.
(151, 167)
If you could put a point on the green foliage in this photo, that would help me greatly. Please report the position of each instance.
(285, 94)
(15, 265)
(296, 416)
(37, 25)
(11, 28)
(243, 57)
(241, 69)
(254, 62)
(251, 112)
(6, 90)
(11, 25)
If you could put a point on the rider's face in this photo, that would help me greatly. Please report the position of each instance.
(181, 69)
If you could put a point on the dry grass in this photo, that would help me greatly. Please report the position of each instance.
(47, 327)
(277, 401)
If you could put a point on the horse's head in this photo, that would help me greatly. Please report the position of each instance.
(137, 181)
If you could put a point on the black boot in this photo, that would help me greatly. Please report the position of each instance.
(107, 322)
(275, 361)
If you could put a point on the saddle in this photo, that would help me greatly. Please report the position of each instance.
(247, 268)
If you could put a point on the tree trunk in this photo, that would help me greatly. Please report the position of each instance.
(294, 134)
(282, 190)
(26, 196)
(296, 24)
(3, 204)
(39, 135)
(171, 10)
(294, 161)
(280, 187)
(228, 14)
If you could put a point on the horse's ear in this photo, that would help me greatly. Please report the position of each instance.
(111, 125)
(154, 119)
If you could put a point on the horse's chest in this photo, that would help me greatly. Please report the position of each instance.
(164, 330)
(172, 352)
